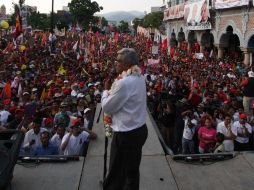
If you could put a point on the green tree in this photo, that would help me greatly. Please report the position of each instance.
(83, 11)
(153, 20)
(123, 27)
(63, 20)
(104, 22)
(100, 21)
(137, 22)
(38, 20)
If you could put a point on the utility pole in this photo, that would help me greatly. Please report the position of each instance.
(52, 17)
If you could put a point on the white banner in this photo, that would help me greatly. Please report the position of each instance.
(174, 12)
(197, 14)
(224, 4)
(199, 55)
(155, 50)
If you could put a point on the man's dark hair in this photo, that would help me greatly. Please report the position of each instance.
(45, 133)
(220, 137)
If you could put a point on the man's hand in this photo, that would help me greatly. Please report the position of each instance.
(31, 142)
(107, 84)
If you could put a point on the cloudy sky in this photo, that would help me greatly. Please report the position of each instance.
(108, 5)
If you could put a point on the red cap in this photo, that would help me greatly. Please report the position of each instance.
(81, 84)
(195, 85)
(243, 116)
(7, 102)
(76, 122)
(19, 111)
(48, 121)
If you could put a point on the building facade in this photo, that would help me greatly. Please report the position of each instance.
(3, 12)
(226, 27)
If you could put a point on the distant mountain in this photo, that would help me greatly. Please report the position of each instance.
(122, 15)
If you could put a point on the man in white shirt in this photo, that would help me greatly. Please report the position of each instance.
(73, 142)
(3, 115)
(126, 104)
(32, 138)
(56, 140)
(243, 130)
(229, 133)
(190, 125)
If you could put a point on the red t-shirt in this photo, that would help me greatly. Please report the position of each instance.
(206, 134)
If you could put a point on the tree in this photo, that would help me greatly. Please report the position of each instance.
(63, 20)
(123, 27)
(38, 20)
(83, 11)
(137, 22)
(104, 22)
(153, 20)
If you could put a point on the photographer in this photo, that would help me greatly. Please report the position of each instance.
(73, 141)
(168, 119)
(190, 124)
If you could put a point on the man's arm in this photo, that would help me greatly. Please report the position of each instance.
(65, 142)
(111, 103)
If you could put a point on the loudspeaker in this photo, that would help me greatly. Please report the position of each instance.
(10, 142)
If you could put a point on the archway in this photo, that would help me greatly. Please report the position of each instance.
(207, 41)
(251, 48)
(192, 40)
(173, 42)
(181, 36)
(231, 44)
(251, 42)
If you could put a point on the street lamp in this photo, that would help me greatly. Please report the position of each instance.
(52, 16)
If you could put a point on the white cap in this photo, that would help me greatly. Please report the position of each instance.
(251, 74)
(80, 95)
(58, 95)
(66, 81)
(97, 83)
(25, 93)
(90, 84)
(34, 89)
(86, 110)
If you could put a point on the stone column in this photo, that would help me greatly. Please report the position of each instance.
(202, 48)
(246, 58)
(246, 53)
(220, 52)
(189, 47)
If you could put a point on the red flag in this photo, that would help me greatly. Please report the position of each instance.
(172, 51)
(116, 36)
(6, 93)
(165, 44)
(18, 24)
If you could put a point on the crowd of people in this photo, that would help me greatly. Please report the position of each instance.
(50, 86)
(204, 106)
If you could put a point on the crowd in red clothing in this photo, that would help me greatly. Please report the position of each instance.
(52, 83)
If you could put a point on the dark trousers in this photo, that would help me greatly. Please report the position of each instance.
(125, 157)
(241, 146)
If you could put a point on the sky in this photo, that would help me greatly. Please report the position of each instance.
(44, 6)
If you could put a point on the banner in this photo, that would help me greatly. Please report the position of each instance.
(143, 31)
(224, 4)
(153, 62)
(199, 55)
(197, 14)
(174, 12)
(155, 50)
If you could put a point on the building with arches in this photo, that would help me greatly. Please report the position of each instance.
(222, 26)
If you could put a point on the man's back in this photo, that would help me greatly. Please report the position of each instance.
(127, 103)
